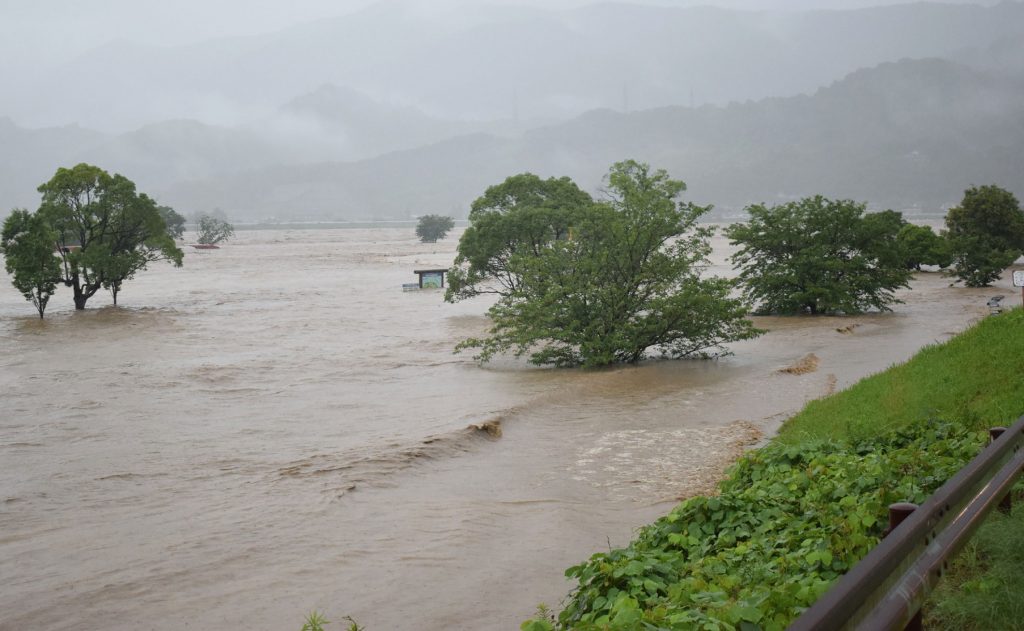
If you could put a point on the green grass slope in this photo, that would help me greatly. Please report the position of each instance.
(975, 379)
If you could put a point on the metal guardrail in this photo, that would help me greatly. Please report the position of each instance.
(886, 589)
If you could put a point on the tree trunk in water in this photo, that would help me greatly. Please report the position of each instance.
(80, 298)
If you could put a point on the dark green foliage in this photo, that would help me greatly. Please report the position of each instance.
(519, 217)
(986, 234)
(627, 279)
(919, 245)
(818, 255)
(175, 223)
(788, 522)
(27, 244)
(105, 230)
(433, 227)
(881, 237)
(213, 230)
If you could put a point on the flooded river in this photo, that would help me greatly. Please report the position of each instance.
(277, 427)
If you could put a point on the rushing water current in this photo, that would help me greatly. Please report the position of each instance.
(277, 427)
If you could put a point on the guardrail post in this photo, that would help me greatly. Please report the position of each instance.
(1006, 504)
(897, 513)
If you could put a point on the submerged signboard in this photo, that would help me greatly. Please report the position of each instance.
(432, 280)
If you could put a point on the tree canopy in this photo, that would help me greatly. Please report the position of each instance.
(919, 245)
(521, 216)
(430, 228)
(101, 232)
(175, 222)
(625, 279)
(986, 234)
(27, 244)
(818, 255)
(213, 230)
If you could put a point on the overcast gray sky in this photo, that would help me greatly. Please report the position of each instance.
(38, 32)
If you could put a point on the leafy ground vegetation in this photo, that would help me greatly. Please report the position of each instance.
(795, 515)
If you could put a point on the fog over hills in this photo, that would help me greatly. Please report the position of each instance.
(329, 124)
(910, 135)
(396, 109)
(482, 61)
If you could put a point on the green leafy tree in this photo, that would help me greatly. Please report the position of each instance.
(817, 255)
(27, 244)
(986, 234)
(522, 216)
(213, 230)
(431, 228)
(881, 233)
(106, 232)
(627, 280)
(919, 245)
(175, 223)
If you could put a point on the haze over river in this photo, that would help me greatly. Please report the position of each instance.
(277, 427)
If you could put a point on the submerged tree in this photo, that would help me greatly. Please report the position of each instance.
(27, 244)
(818, 255)
(522, 216)
(105, 231)
(919, 245)
(627, 280)
(213, 230)
(175, 222)
(986, 234)
(433, 227)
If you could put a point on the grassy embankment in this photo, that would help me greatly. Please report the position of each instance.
(976, 380)
(798, 513)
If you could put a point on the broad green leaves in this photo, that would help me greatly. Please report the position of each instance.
(788, 522)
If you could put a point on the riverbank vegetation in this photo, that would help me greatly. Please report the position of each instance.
(793, 516)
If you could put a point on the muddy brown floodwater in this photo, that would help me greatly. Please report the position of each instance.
(277, 428)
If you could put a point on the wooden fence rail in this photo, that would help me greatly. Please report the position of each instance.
(886, 589)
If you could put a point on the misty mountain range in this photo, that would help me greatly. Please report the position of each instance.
(389, 113)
